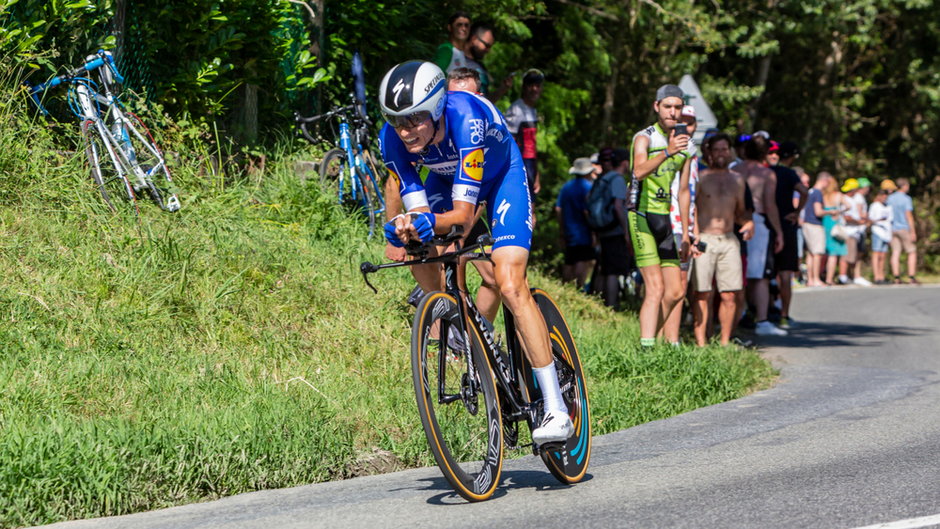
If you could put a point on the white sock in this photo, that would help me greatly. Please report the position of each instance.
(547, 378)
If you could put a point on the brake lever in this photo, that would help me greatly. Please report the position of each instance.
(367, 268)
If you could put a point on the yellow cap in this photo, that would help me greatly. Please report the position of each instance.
(888, 185)
(850, 185)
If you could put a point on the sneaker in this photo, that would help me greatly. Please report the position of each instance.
(765, 328)
(786, 323)
(882, 282)
(862, 282)
(913, 281)
(843, 280)
(555, 428)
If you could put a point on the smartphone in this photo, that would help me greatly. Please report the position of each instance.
(682, 129)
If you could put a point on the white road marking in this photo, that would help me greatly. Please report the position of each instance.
(911, 523)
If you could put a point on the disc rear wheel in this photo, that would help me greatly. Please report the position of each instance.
(569, 461)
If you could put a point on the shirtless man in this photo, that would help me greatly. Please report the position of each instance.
(766, 241)
(719, 203)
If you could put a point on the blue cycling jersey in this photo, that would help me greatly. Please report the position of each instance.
(477, 160)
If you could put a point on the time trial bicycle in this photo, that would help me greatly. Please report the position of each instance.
(122, 156)
(473, 392)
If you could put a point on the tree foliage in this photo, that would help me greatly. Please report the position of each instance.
(854, 83)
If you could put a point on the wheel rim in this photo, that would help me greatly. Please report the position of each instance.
(466, 445)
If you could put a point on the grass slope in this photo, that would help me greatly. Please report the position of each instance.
(233, 346)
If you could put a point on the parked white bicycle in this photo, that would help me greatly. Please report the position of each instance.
(122, 156)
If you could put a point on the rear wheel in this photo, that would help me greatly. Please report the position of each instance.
(113, 186)
(569, 461)
(456, 400)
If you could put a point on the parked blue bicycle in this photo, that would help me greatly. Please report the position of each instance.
(349, 170)
(122, 156)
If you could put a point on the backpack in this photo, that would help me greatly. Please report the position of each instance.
(600, 205)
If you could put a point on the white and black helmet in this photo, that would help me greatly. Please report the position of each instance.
(411, 92)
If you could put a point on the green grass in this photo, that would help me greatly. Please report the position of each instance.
(233, 346)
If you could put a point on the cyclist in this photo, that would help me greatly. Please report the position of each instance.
(463, 141)
(657, 156)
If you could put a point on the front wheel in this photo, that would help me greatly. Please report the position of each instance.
(569, 462)
(334, 174)
(456, 399)
(104, 168)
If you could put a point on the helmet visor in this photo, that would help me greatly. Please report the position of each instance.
(408, 121)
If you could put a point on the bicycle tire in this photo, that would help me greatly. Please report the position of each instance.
(372, 208)
(153, 164)
(568, 463)
(112, 184)
(464, 434)
(334, 171)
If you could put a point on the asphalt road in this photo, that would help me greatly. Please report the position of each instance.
(849, 437)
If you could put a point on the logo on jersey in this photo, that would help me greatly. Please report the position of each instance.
(477, 130)
(472, 164)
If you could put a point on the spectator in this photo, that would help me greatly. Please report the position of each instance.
(720, 202)
(768, 234)
(575, 236)
(800, 241)
(464, 79)
(522, 120)
(790, 198)
(615, 255)
(478, 46)
(904, 234)
(813, 232)
(833, 207)
(450, 54)
(880, 215)
(674, 319)
(856, 222)
(659, 154)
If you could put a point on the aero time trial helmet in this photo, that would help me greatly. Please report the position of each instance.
(413, 92)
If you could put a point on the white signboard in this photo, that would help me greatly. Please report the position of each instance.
(704, 116)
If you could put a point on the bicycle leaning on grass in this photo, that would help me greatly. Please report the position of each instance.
(122, 156)
(473, 392)
(349, 170)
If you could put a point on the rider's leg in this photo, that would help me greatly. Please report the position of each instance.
(510, 263)
(488, 298)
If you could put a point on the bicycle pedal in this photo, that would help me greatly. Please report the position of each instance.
(552, 447)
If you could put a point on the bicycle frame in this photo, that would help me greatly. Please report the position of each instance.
(507, 364)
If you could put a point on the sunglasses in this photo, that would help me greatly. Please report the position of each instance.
(408, 121)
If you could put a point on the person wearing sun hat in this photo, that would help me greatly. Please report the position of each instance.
(575, 234)
(856, 217)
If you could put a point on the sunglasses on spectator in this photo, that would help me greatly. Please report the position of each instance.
(409, 121)
(486, 45)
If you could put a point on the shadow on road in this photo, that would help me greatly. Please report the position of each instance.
(815, 334)
(511, 479)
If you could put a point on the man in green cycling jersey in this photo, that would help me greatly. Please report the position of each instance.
(658, 154)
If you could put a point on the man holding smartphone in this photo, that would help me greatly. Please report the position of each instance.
(659, 153)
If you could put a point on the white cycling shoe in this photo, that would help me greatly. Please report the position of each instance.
(556, 427)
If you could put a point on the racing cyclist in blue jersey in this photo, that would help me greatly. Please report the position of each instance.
(463, 141)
